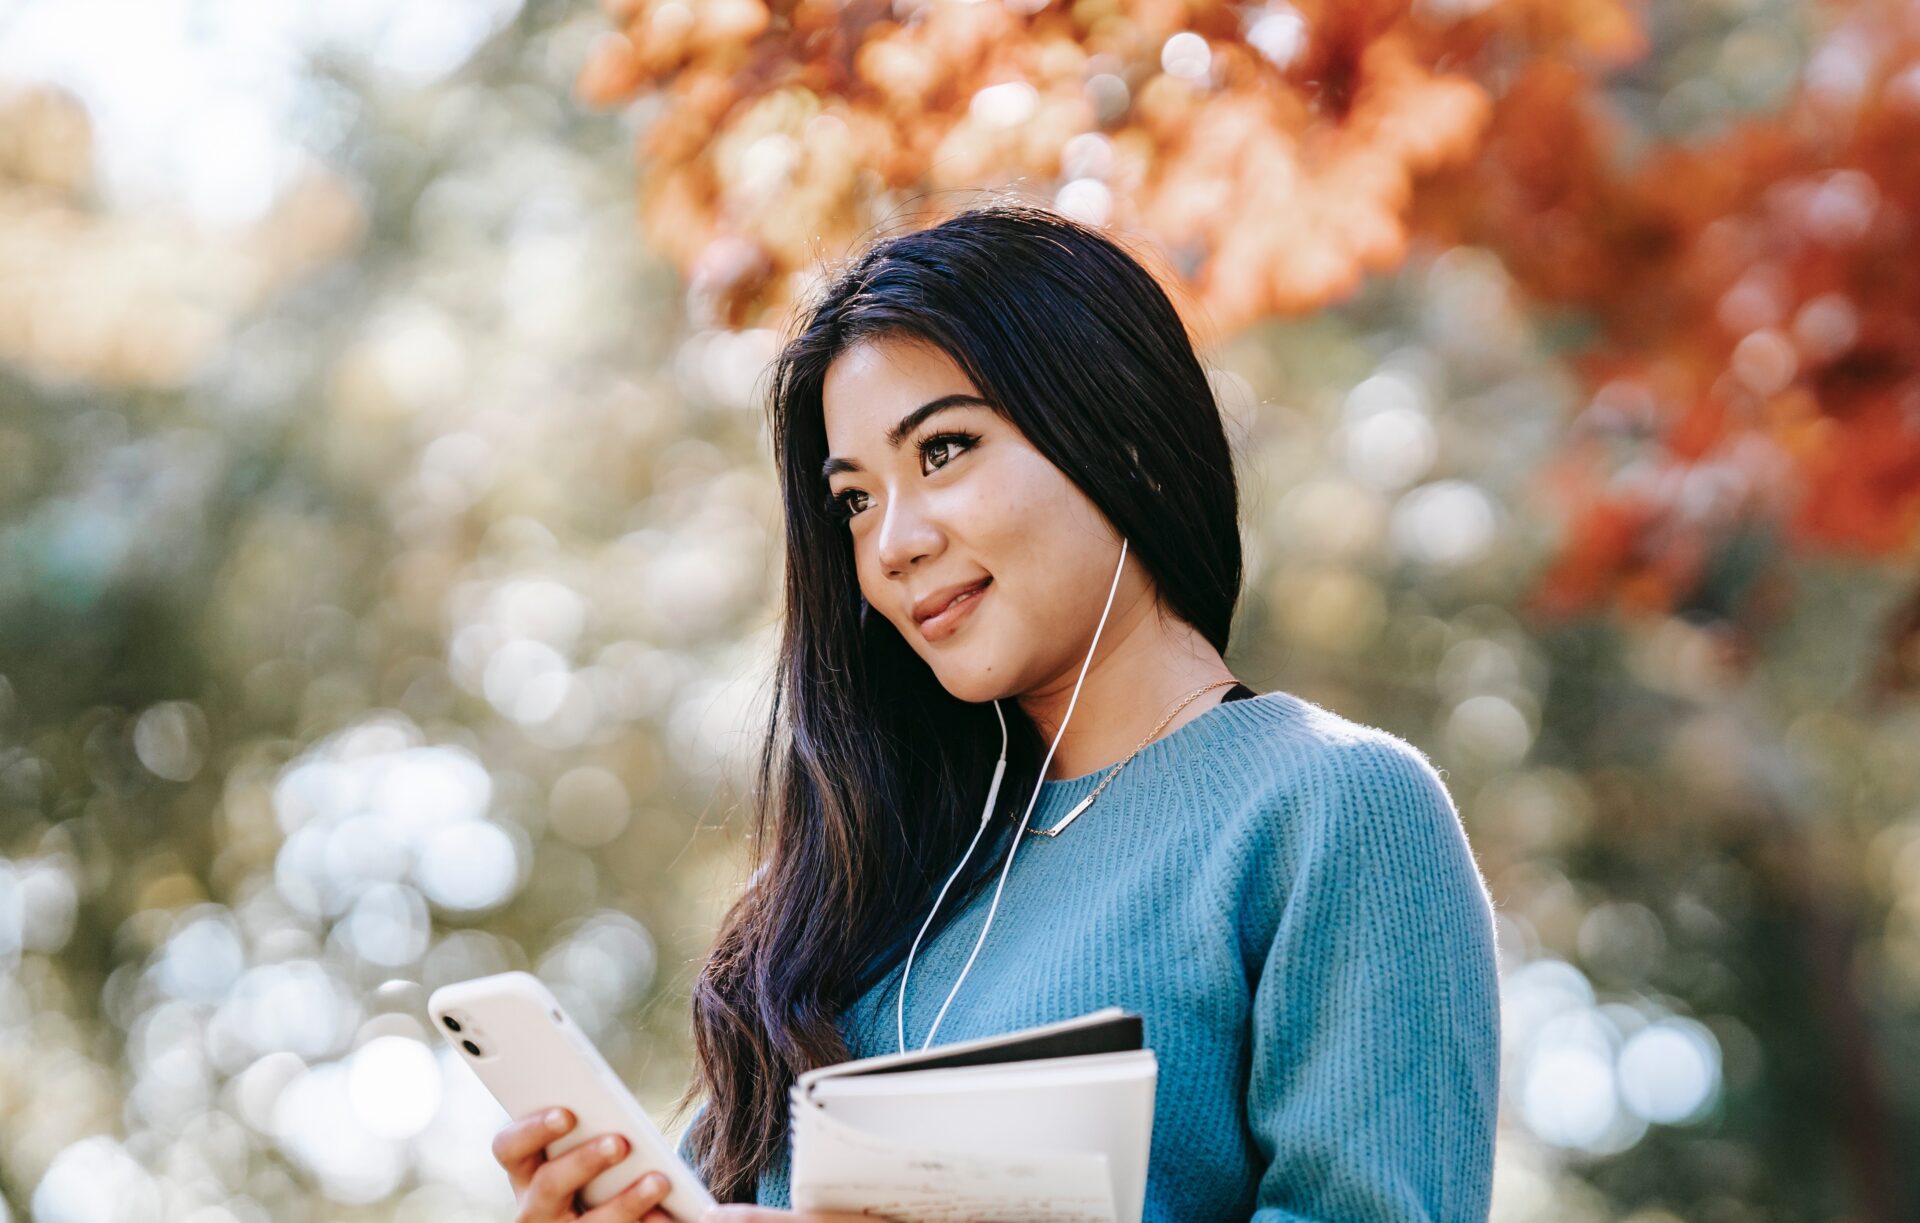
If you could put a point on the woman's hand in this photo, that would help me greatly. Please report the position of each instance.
(545, 1189)
(767, 1214)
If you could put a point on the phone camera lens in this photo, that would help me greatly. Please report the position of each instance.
(453, 1025)
(470, 1047)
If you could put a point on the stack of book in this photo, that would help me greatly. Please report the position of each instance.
(1051, 1124)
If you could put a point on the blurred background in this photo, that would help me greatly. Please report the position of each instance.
(388, 531)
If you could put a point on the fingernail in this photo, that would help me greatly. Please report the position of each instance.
(557, 1119)
(654, 1182)
(609, 1145)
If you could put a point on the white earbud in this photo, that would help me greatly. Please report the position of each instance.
(986, 816)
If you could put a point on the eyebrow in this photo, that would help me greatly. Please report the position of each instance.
(834, 465)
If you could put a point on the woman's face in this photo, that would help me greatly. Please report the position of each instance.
(957, 499)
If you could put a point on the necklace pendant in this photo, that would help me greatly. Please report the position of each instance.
(1066, 819)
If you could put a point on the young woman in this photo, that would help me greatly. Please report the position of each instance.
(1011, 518)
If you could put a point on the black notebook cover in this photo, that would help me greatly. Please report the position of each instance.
(1116, 1035)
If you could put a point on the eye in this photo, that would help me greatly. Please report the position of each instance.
(841, 505)
(940, 441)
(838, 506)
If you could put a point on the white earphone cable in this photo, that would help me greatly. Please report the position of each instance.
(986, 816)
(1018, 835)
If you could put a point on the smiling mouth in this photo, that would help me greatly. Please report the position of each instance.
(936, 626)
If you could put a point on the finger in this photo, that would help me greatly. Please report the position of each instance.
(520, 1147)
(551, 1194)
(633, 1203)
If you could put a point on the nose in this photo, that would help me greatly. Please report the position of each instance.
(906, 535)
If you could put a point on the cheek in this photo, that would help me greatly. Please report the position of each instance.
(1036, 524)
(873, 583)
(1017, 502)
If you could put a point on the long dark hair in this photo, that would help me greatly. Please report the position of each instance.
(871, 774)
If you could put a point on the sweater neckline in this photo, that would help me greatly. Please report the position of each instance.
(1221, 717)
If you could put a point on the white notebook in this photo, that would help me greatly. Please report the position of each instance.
(1051, 1124)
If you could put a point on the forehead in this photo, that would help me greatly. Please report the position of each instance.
(871, 385)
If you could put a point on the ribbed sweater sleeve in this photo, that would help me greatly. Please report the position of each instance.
(1372, 1090)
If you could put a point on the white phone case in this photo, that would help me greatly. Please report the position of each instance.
(530, 1054)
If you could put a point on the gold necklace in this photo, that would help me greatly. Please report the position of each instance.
(1086, 802)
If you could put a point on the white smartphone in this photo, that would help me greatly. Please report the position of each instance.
(530, 1054)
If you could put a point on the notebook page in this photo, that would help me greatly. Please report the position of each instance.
(836, 1167)
(1100, 1103)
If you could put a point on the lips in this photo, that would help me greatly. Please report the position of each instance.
(948, 615)
(932, 605)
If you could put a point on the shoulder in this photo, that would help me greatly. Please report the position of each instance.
(1316, 797)
(1371, 775)
(1289, 755)
(1354, 826)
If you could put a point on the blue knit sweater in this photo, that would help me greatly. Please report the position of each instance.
(1288, 899)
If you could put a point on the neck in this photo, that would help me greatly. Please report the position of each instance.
(1146, 662)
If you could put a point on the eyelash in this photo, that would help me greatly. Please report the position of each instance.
(837, 505)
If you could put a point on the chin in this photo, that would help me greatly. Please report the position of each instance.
(969, 683)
